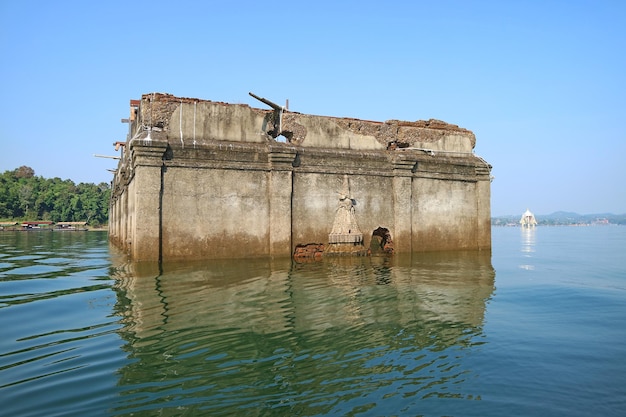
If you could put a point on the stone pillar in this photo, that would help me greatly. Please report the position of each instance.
(118, 194)
(122, 220)
(115, 220)
(402, 203)
(280, 194)
(483, 213)
(112, 224)
(145, 229)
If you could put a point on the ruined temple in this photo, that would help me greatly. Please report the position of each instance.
(203, 179)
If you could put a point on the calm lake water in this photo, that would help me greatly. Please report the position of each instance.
(536, 328)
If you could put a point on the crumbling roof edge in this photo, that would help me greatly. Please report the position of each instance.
(425, 124)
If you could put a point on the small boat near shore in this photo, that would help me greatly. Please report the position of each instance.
(43, 225)
(38, 225)
(71, 227)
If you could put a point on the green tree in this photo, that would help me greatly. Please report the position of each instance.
(24, 196)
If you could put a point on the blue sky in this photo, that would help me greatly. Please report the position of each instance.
(542, 84)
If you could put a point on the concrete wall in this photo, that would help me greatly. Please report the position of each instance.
(200, 179)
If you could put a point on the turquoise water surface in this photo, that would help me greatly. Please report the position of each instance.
(535, 328)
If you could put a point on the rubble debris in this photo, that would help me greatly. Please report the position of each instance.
(403, 132)
(309, 251)
(392, 146)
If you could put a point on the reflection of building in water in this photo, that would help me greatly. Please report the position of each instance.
(528, 219)
(283, 327)
(268, 296)
(528, 247)
(528, 240)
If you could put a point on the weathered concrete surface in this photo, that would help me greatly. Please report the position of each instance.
(201, 179)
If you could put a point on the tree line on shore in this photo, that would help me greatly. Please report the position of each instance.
(27, 197)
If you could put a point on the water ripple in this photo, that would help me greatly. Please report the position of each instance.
(87, 333)
(308, 339)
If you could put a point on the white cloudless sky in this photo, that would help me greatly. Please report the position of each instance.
(542, 83)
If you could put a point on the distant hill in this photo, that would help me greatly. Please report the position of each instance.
(564, 218)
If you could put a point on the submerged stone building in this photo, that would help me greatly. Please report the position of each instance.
(203, 179)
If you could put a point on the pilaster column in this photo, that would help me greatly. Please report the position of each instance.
(402, 202)
(483, 213)
(280, 194)
(144, 212)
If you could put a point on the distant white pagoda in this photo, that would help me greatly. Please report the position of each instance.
(528, 219)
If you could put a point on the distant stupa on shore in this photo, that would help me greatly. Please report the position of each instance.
(528, 219)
